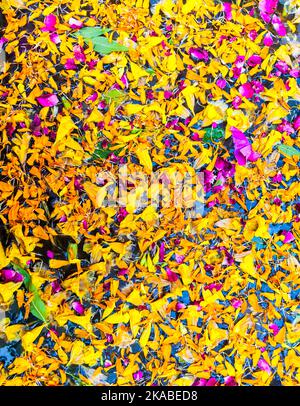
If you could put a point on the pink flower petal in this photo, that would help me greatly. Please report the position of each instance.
(199, 54)
(236, 303)
(10, 275)
(75, 24)
(77, 306)
(50, 22)
(288, 236)
(230, 381)
(268, 40)
(79, 53)
(54, 37)
(254, 60)
(162, 252)
(227, 10)
(50, 254)
(56, 287)
(137, 376)
(221, 83)
(246, 90)
(242, 148)
(296, 123)
(268, 6)
(275, 328)
(279, 26)
(172, 276)
(264, 366)
(48, 100)
(70, 64)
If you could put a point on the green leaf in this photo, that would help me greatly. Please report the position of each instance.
(101, 153)
(114, 95)
(91, 32)
(37, 306)
(66, 103)
(105, 47)
(288, 150)
(213, 134)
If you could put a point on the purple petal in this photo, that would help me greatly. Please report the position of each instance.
(56, 287)
(10, 275)
(162, 252)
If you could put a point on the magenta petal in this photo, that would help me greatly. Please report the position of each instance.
(50, 254)
(56, 286)
(221, 83)
(296, 123)
(246, 90)
(227, 10)
(137, 376)
(279, 26)
(254, 60)
(199, 54)
(172, 276)
(79, 53)
(9, 275)
(162, 252)
(54, 37)
(77, 306)
(48, 100)
(211, 382)
(236, 303)
(199, 382)
(75, 24)
(268, 6)
(93, 97)
(70, 64)
(275, 328)
(268, 40)
(242, 148)
(288, 236)
(264, 366)
(230, 381)
(50, 22)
